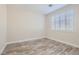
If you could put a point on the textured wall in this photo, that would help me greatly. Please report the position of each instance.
(23, 24)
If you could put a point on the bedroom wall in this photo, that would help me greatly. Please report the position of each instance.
(3, 26)
(71, 38)
(24, 24)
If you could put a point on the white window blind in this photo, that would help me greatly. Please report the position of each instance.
(63, 21)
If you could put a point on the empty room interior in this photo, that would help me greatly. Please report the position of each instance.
(39, 29)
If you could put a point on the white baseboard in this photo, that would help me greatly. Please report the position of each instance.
(3, 47)
(64, 42)
(25, 40)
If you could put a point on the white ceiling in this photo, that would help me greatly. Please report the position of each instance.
(41, 8)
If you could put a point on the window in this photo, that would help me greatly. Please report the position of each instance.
(63, 21)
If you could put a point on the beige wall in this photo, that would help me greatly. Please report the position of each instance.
(3, 26)
(66, 37)
(23, 24)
